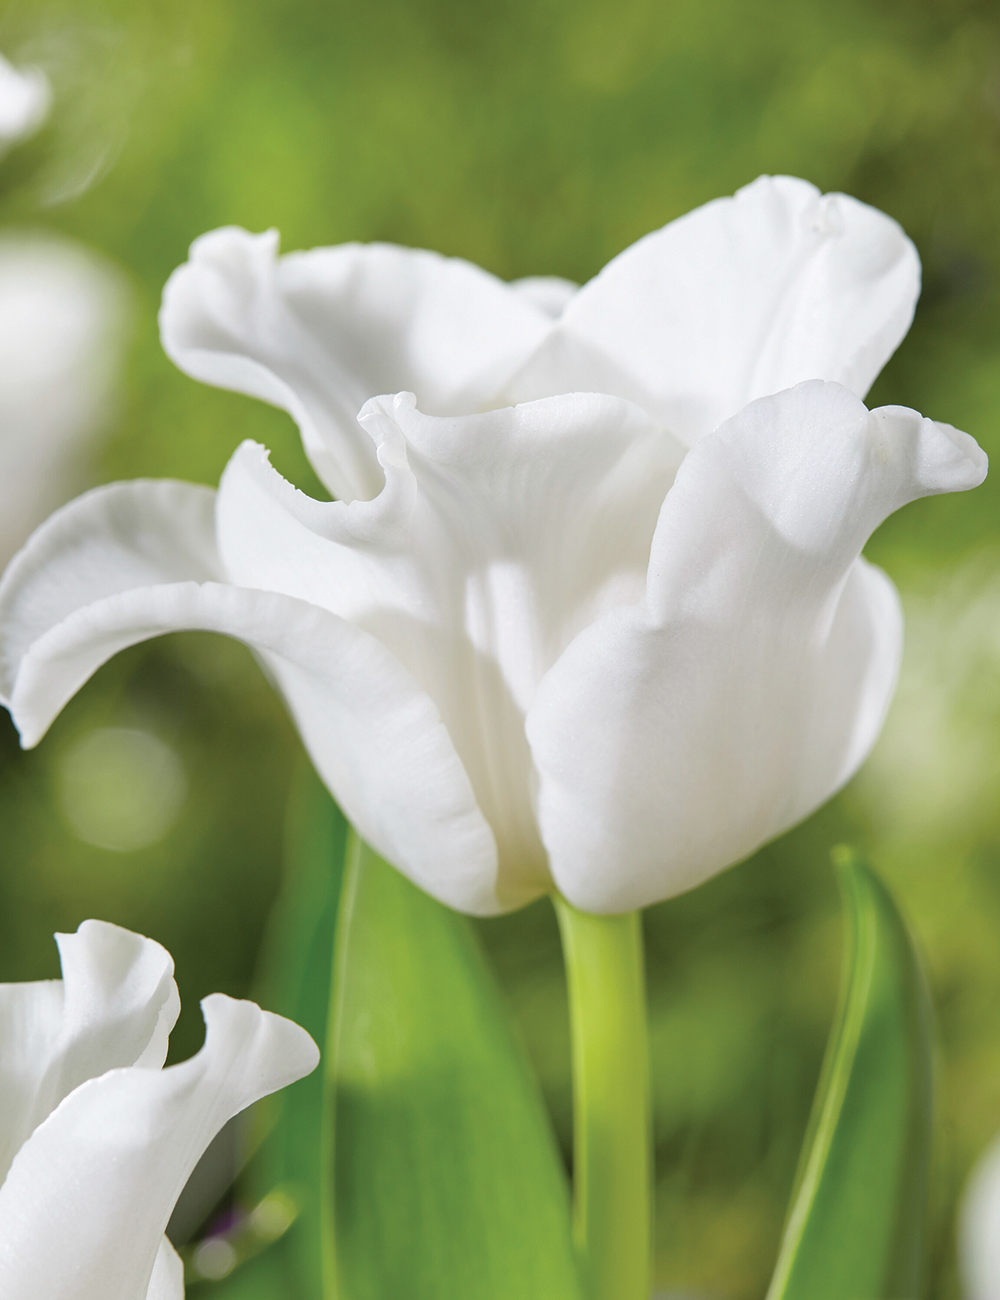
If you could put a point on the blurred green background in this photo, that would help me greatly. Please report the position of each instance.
(540, 137)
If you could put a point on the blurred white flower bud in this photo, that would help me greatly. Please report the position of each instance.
(25, 99)
(62, 314)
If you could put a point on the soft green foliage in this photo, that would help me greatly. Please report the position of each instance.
(857, 1218)
(297, 982)
(541, 136)
(448, 1184)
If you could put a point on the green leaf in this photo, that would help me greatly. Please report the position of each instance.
(856, 1223)
(448, 1184)
(297, 971)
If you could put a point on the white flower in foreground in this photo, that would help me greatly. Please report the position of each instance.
(979, 1229)
(584, 642)
(25, 99)
(96, 1139)
(61, 311)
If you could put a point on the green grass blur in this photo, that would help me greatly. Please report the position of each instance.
(542, 136)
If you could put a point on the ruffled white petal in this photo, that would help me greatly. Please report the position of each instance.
(125, 563)
(979, 1229)
(318, 333)
(743, 297)
(115, 1006)
(167, 1280)
(674, 737)
(104, 543)
(87, 1198)
(496, 538)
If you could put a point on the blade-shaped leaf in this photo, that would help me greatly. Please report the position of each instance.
(296, 982)
(448, 1183)
(855, 1227)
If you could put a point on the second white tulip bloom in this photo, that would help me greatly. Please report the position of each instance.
(608, 644)
(96, 1139)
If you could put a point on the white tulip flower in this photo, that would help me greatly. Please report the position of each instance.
(602, 643)
(25, 100)
(96, 1139)
(61, 314)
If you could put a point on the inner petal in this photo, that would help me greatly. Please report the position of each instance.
(495, 539)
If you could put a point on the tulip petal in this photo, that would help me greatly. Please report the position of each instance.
(167, 1280)
(88, 1196)
(115, 1006)
(318, 333)
(128, 562)
(742, 297)
(674, 737)
(496, 538)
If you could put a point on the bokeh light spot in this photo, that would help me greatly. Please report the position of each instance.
(121, 788)
(214, 1258)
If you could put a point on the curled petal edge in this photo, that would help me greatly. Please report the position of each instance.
(349, 695)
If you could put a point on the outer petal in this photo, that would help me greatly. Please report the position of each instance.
(122, 564)
(86, 1201)
(979, 1229)
(674, 737)
(496, 538)
(740, 298)
(115, 1006)
(318, 333)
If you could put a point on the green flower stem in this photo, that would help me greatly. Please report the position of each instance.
(612, 1130)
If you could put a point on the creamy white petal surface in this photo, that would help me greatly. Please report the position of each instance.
(742, 297)
(25, 98)
(979, 1229)
(62, 312)
(113, 1136)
